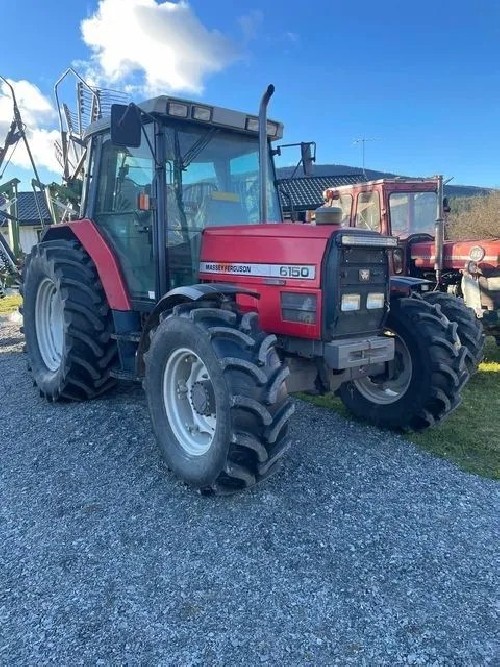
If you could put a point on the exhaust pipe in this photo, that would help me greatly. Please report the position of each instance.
(439, 233)
(264, 152)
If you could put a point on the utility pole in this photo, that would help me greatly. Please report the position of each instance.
(362, 141)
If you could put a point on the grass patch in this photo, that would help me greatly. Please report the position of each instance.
(9, 304)
(470, 437)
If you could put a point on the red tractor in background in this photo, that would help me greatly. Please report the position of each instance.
(180, 273)
(460, 272)
(464, 276)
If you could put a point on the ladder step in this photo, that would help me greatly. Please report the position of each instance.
(134, 336)
(124, 375)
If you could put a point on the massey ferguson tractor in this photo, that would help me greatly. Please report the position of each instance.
(181, 274)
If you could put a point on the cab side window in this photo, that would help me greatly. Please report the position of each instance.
(345, 202)
(125, 173)
(368, 215)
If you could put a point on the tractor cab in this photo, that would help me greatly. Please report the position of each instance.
(399, 207)
(164, 171)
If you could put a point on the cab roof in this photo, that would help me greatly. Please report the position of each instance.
(219, 116)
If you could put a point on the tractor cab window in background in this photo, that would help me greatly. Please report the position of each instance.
(368, 211)
(125, 173)
(345, 203)
(412, 212)
(212, 180)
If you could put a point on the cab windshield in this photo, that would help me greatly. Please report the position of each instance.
(212, 179)
(412, 213)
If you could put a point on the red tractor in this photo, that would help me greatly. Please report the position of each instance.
(170, 277)
(464, 276)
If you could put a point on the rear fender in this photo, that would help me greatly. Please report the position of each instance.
(405, 286)
(97, 248)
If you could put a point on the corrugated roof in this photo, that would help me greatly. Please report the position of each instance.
(306, 193)
(328, 170)
(28, 205)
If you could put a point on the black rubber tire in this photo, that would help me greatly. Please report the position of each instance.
(88, 352)
(438, 371)
(251, 401)
(469, 327)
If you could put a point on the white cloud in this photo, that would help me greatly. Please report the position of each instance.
(143, 47)
(164, 46)
(39, 117)
(250, 24)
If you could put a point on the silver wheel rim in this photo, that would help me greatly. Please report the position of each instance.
(385, 392)
(193, 429)
(49, 323)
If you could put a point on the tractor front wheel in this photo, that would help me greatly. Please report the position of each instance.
(216, 392)
(422, 385)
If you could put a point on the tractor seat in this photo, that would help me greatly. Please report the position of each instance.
(222, 209)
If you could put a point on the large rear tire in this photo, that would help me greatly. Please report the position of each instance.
(469, 327)
(421, 387)
(216, 392)
(67, 323)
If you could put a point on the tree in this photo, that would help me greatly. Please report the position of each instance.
(475, 217)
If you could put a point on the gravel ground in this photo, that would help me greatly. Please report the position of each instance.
(363, 551)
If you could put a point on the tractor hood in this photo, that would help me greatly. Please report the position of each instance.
(457, 253)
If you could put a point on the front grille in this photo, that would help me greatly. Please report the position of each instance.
(354, 270)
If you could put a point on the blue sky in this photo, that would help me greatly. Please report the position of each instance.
(421, 80)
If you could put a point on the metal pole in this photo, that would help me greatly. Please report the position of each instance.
(362, 141)
(20, 126)
(439, 233)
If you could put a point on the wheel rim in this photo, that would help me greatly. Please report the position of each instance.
(49, 323)
(186, 385)
(386, 391)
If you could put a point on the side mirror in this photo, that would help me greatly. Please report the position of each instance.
(308, 155)
(446, 206)
(126, 125)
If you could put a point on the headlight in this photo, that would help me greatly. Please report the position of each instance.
(381, 241)
(178, 109)
(350, 302)
(476, 253)
(252, 124)
(297, 307)
(202, 113)
(397, 260)
(375, 300)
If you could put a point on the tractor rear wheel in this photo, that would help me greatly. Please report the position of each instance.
(67, 323)
(469, 327)
(216, 392)
(422, 385)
